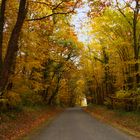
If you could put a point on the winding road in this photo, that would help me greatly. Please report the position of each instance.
(75, 124)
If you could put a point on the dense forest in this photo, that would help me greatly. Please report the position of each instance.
(43, 61)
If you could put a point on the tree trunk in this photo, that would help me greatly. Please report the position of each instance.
(2, 11)
(12, 49)
(55, 91)
(135, 41)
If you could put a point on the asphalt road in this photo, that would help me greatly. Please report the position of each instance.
(74, 124)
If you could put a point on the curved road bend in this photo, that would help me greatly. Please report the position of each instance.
(75, 124)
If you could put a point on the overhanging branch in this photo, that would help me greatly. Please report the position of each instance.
(47, 16)
(54, 13)
(120, 10)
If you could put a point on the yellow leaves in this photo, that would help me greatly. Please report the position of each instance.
(122, 94)
(40, 8)
(33, 64)
(3, 104)
(13, 99)
(80, 82)
(38, 44)
(63, 94)
(69, 5)
(35, 85)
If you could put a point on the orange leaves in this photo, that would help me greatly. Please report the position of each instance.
(69, 5)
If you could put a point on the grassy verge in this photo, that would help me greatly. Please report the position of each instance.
(127, 121)
(16, 124)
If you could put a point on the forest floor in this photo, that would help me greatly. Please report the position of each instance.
(16, 124)
(128, 122)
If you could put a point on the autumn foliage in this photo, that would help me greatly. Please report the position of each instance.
(42, 60)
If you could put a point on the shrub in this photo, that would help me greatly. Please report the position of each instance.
(138, 107)
(14, 100)
(3, 104)
(120, 105)
(108, 103)
(31, 98)
(123, 94)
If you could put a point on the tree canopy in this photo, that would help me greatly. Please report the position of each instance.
(42, 59)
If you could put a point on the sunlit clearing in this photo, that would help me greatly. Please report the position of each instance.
(84, 102)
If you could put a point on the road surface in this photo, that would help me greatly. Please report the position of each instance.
(75, 124)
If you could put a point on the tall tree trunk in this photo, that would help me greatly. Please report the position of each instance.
(2, 12)
(136, 46)
(135, 41)
(50, 101)
(12, 49)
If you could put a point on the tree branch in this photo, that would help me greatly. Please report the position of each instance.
(57, 5)
(120, 10)
(44, 3)
(57, 13)
(98, 59)
(47, 16)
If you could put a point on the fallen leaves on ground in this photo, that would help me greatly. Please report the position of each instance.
(22, 123)
(126, 121)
